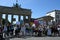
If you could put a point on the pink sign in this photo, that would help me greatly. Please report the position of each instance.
(36, 22)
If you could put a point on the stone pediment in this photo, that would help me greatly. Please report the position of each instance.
(14, 10)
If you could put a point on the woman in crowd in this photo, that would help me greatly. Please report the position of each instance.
(40, 32)
(23, 30)
(55, 31)
(11, 30)
(36, 31)
(8, 29)
(49, 31)
(27, 28)
(33, 28)
(45, 30)
(17, 31)
(4, 31)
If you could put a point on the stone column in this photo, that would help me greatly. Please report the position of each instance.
(29, 18)
(11, 19)
(0, 18)
(6, 19)
(19, 18)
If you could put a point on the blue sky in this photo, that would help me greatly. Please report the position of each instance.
(39, 7)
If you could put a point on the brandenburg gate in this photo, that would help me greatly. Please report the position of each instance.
(15, 10)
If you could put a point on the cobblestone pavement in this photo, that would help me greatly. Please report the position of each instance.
(37, 38)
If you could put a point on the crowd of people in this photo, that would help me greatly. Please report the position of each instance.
(26, 29)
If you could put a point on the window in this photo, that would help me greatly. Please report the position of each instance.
(57, 16)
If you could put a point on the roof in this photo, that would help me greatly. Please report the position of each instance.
(45, 17)
(53, 11)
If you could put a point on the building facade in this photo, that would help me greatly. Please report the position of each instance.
(55, 14)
